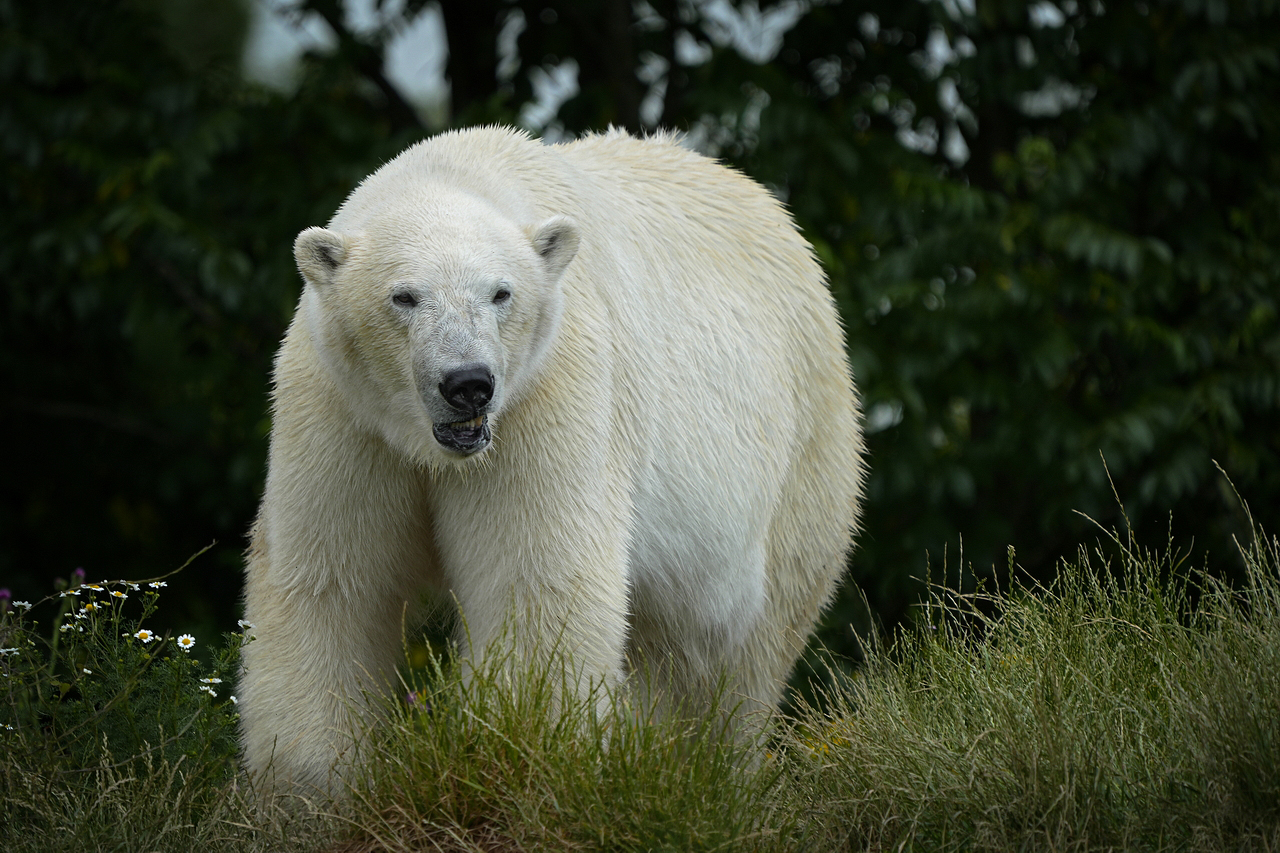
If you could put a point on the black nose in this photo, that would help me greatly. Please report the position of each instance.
(468, 388)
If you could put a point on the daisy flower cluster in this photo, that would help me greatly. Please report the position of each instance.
(6, 656)
(85, 602)
(85, 594)
(89, 669)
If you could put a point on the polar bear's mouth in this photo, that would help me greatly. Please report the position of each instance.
(464, 436)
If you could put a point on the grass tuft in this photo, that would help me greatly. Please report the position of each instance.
(470, 764)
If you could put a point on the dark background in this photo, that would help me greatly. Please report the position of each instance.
(1052, 244)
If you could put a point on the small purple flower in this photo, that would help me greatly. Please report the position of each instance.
(417, 699)
(77, 577)
(5, 595)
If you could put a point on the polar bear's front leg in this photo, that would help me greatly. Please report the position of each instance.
(340, 545)
(537, 560)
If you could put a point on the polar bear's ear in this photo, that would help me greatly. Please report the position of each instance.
(319, 253)
(556, 242)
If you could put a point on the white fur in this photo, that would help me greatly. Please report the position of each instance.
(675, 467)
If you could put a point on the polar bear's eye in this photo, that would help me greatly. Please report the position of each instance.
(501, 296)
(404, 299)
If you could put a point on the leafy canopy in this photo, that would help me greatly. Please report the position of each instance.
(1051, 230)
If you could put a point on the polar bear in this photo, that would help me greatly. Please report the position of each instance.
(595, 392)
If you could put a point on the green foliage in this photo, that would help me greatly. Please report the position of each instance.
(1051, 229)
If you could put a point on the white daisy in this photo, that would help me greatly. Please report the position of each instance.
(144, 635)
(186, 642)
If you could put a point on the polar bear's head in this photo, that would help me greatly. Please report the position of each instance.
(433, 316)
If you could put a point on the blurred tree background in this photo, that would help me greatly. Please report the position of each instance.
(1052, 228)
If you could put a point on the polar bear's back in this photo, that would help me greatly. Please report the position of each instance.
(704, 263)
(647, 205)
(701, 214)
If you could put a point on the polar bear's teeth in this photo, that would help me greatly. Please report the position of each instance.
(471, 424)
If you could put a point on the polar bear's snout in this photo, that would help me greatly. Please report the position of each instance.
(467, 390)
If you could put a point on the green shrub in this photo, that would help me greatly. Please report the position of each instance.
(104, 682)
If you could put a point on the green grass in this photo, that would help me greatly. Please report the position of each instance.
(474, 765)
(1132, 705)
(1128, 707)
